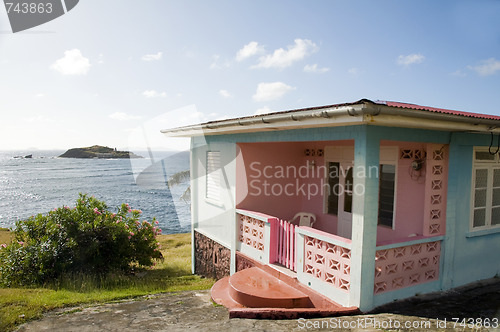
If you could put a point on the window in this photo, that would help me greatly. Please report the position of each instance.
(349, 184)
(485, 211)
(336, 174)
(213, 176)
(338, 161)
(340, 183)
(333, 185)
(387, 182)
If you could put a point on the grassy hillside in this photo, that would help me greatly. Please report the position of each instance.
(173, 274)
(5, 236)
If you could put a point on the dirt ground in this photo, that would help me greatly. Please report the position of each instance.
(194, 311)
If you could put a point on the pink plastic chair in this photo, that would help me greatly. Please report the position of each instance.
(304, 219)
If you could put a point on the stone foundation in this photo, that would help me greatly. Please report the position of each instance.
(211, 259)
(243, 262)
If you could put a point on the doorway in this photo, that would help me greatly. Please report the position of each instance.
(338, 201)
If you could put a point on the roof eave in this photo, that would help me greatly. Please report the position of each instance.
(363, 112)
(405, 117)
(310, 118)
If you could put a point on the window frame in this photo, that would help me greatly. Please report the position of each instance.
(342, 155)
(381, 222)
(490, 166)
(389, 155)
(329, 191)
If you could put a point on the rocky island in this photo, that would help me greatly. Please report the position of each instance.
(100, 152)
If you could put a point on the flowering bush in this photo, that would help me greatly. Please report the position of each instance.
(87, 238)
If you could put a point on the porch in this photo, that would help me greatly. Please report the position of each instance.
(322, 261)
(354, 263)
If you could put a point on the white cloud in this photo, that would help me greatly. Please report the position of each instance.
(262, 110)
(154, 94)
(225, 93)
(215, 58)
(458, 73)
(354, 71)
(215, 63)
(406, 60)
(197, 115)
(224, 117)
(120, 116)
(284, 58)
(487, 67)
(73, 63)
(271, 91)
(249, 50)
(152, 57)
(40, 95)
(314, 69)
(39, 119)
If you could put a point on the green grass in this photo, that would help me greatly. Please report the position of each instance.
(18, 305)
(5, 236)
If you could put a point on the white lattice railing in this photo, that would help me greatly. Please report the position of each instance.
(327, 258)
(266, 238)
(254, 235)
(251, 231)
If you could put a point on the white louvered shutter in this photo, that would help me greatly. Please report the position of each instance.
(213, 175)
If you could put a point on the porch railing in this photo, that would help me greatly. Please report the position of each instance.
(256, 235)
(266, 238)
(407, 264)
(285, 248)
(324, 263)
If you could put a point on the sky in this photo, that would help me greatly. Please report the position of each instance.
(115, 72)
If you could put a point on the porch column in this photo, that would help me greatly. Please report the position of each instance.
(364, 218)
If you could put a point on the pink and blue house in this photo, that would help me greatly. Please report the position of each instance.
(405, 198)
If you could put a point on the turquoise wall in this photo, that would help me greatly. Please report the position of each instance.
(469, 256)
(335, 133)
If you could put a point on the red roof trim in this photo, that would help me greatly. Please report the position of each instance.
(439, 110)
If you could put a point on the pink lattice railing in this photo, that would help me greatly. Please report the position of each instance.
(285, 248)
(406, 266)
(436, 179)
(251, 231)
(328, 262)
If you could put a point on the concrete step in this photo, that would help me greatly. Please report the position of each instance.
(220, 294)
(259, 292)
(255, 288)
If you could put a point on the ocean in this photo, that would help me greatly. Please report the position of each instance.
(29, 186)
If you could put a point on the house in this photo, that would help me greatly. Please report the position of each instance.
(405, 198)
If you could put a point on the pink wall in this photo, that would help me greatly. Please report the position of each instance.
(410, 198)
(325, 222)
(280, 155)
(284, 154)
(251, 180)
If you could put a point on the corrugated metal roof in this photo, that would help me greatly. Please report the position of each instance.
(314, 108)
(382, 102)
(438, 110)
(391, 108)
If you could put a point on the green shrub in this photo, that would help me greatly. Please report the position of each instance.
(85, 239)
